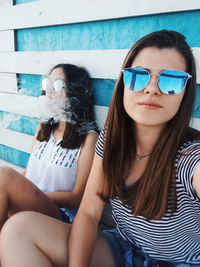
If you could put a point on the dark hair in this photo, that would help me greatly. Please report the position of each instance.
(155, 192)
(80, 96)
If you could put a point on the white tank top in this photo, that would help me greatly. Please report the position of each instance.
(51, 167)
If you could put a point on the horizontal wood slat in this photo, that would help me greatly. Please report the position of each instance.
(100, 63)
(105, 64)
(55, 12)
(16, 140)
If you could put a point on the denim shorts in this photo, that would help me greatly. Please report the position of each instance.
(64, 216)
(128, 255)
(68, 215)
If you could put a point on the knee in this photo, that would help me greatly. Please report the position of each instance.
(13, 232)
(13, 229)
(17, 224)
(6, 175)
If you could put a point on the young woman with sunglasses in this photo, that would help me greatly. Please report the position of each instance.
(146, 165)
(60, 162)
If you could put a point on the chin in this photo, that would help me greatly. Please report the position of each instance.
(151, 123)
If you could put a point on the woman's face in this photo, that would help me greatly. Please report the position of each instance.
(150, 106)
(57, 83)
(55, 104)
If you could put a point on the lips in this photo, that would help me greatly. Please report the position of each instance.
(149, 104)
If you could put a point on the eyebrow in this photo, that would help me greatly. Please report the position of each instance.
(149, 69)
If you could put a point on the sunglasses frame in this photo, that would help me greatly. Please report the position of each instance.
(188, 76)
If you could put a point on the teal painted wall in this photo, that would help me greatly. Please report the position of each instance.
(108, 34)
(17, 2)
(19, 123)
(14, 156)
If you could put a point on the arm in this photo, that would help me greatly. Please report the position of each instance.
(72, 199)
(196, 180)
(85, 226)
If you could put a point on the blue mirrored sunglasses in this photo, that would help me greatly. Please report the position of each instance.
(169, 81)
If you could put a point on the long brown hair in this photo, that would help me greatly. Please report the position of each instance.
(80, 96)
(155, 192)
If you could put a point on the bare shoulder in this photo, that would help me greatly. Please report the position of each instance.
(91, 138)
(86, 157)
(88, 146)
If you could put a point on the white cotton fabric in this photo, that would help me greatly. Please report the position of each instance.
(51, 167)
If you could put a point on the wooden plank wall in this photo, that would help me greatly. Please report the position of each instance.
(35, 35)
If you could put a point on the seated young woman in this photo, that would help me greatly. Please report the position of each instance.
(63, 151)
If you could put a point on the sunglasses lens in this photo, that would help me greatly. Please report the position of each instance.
(46, 84)
(172, 81)
(136, 79)
(58, 85)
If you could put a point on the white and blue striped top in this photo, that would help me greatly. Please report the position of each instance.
(173, 238)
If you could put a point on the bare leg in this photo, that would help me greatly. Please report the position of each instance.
(18, 194)
(33, 239)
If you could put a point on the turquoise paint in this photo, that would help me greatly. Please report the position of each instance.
(196, 113)
(108, 34)
(17, 2)
(19, 123)
(29, 84)
(14, 156)
(103, 90)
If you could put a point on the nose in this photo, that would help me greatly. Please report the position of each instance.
(152, 87)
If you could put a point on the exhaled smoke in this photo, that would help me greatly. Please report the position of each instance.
(86, 127)
(55, 107)
(7, 119)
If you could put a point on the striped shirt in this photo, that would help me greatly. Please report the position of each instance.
(173, 238)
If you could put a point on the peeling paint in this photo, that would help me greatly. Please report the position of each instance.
(20, 123)
(29, 84)
(17, 2)
(14, 156)
(108, 34)
(196, 112)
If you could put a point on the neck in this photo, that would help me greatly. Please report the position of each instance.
(61, 127)
(146, 137)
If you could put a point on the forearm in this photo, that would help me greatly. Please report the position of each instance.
(82, 240)
(65, 199)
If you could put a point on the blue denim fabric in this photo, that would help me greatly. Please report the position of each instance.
(127, 255)
(64, 217)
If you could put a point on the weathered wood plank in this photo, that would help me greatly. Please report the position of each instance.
(103, 64)
(40, 13)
